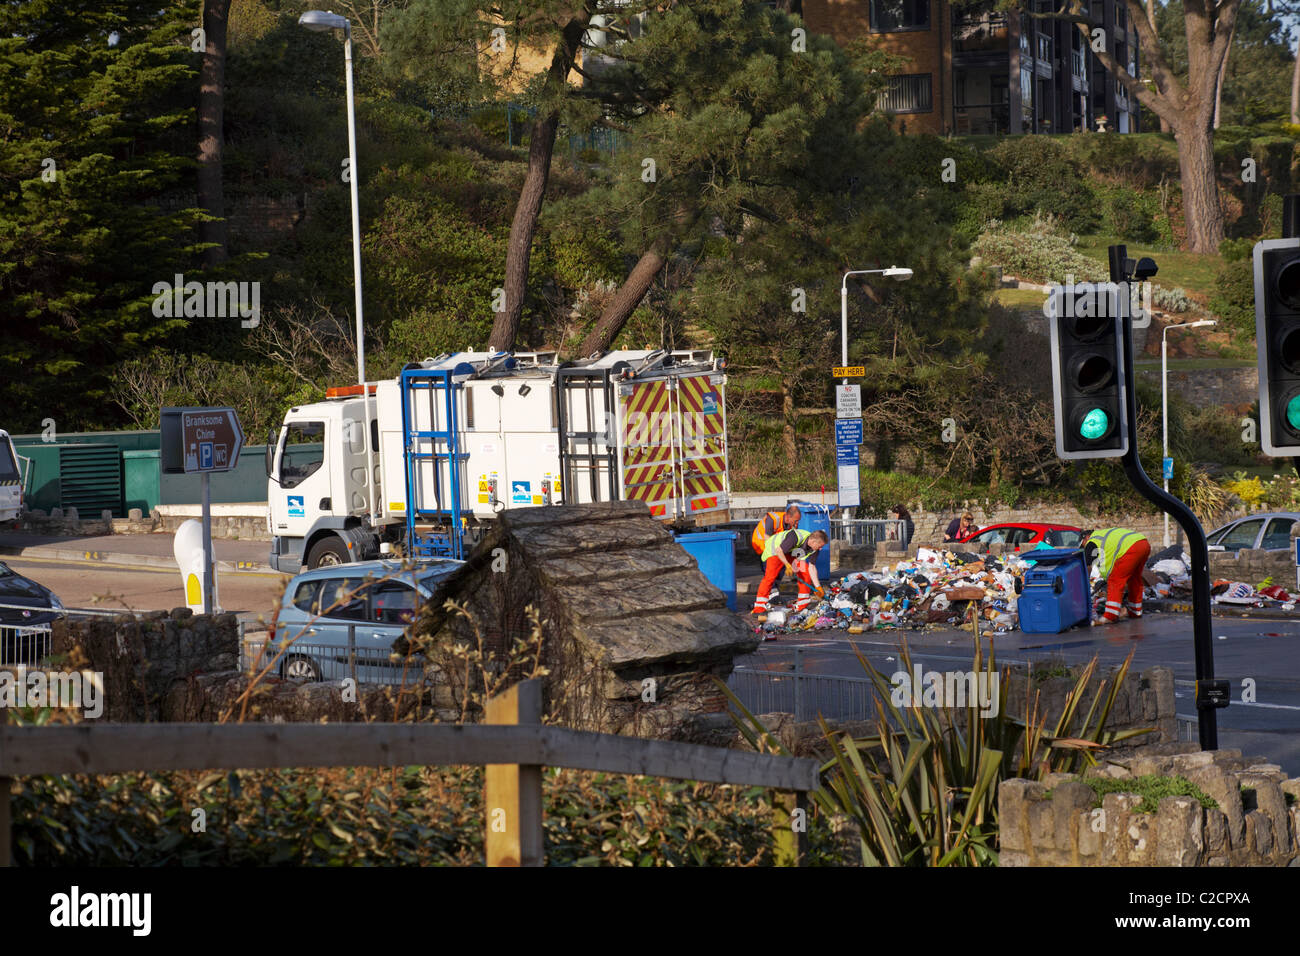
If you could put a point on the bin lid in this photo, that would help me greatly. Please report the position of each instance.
(703, 536)
(808, 506)
(1052, 555)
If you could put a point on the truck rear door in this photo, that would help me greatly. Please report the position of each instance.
(702, 425)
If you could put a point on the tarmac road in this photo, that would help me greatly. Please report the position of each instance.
(104, 586)
(1266, 652)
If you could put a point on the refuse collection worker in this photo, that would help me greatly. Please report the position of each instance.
(958, 528)
(771, 523)
(1122, 554)
(794, 551)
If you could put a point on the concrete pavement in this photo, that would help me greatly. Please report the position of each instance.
(132, 550)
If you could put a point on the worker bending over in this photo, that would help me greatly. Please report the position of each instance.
(1122, 555)
(771, 523)
(794, 551)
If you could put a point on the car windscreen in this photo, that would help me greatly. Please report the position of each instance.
(8, 464)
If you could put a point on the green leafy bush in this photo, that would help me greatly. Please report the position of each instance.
(1234, 296)
(1171, 300)
(1038, 253)
(372, 817)
(1041, 176)
(1132, 216)
(1234, 250)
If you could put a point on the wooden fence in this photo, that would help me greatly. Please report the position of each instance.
(513, 745)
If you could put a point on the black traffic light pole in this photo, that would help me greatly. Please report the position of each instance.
(1209, 694)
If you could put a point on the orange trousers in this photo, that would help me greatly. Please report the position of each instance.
(771, 571)
(1125, 582)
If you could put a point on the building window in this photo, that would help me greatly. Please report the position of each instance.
(893, 16)
(907, 94)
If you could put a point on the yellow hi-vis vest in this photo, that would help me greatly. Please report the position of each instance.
(1112, 543)
(774, 544)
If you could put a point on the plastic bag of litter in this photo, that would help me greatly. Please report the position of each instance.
(927, 556)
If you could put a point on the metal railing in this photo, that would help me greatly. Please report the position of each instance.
(790, 687)
(24, 644)
(867, 532)
(308, 661)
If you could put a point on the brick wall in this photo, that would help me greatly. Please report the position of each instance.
(928, 50)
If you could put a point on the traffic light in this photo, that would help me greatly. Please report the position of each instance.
(1088, 371)
(1277, 339)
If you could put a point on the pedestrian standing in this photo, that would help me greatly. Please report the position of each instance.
(909, 526)
(958, 528)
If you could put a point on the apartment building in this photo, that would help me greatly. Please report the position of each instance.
(977, 70)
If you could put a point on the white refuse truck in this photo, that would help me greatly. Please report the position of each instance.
(454, 440)
(11, 480)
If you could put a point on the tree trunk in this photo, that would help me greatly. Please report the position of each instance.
(1295, 92)
(1223, 71)
(788, 423)
(626, 300)
(1201, 209)
(520, 247)
(212, 73)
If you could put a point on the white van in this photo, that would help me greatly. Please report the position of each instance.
(11, 480)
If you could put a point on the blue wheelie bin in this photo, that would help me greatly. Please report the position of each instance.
(817, 518)
(715, 554)
(1056, 595)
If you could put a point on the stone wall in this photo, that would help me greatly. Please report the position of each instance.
(143, 657)
(1057, 822)
(1237, 387)
(1254, 566)
(61, 521)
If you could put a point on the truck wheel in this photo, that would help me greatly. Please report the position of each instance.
(328, 552)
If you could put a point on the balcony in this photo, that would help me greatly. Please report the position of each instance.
(983, 34)
(995, 118)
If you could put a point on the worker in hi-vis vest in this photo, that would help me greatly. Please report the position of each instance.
(1121, 555)
(794, 551)
(771, 523)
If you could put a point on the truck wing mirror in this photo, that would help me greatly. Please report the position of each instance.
(270, 454)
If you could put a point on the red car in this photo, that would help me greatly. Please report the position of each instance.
(1025, 536)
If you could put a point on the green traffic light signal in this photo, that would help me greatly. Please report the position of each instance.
(1097, 423)
(1293, 412)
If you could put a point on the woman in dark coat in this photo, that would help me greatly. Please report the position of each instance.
(909, 525)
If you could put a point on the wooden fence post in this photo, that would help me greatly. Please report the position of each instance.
(790, 827)
(512, 793)
(6, 824)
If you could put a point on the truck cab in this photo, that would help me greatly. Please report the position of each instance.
(11, 480)
(317, 490)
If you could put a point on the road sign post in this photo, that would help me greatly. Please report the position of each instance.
(848, 436)
(201, 441)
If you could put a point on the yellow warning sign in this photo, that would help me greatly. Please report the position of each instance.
(850, 371)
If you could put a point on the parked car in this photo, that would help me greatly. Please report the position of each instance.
(1025, 536)
(26, 610)
(341, 620)
(1269, 531)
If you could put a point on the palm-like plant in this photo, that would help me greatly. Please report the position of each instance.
(922, 789)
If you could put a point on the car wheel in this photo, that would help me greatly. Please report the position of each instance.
(327, 553)
(299, 668)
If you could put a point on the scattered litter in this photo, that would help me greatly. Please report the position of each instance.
(936, 589)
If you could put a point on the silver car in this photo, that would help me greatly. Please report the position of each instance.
(1267, 531)
(341, 620)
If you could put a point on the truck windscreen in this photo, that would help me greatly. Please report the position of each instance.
(8, 464)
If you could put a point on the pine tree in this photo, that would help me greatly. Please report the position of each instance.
(96, 104)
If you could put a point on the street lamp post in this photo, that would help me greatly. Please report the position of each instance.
(321, 21)
(894, 272)
(1164, 396)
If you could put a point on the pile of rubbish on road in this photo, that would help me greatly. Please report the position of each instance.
(1172, 569)
(936, 588)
